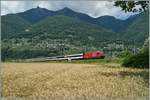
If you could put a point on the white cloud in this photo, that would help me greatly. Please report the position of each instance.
(92, 8)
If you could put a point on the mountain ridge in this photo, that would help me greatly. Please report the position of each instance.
(36, 14)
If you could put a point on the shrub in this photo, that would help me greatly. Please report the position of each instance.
(140, 60)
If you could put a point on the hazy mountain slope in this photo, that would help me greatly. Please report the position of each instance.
(116, 25)
(110, 22)
(12, 24)
(139, 29)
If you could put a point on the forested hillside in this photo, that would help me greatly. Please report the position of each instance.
(35, 15)
(40, 32)
(12, 24)
(139, 29)
(62, 27)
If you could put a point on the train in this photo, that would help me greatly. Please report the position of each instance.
(85, 55)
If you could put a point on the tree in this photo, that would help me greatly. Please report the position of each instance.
(140, 60)
(132, 6)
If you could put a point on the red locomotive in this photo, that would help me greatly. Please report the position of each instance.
(93, 54)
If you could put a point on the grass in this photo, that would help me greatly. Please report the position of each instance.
(73, 81)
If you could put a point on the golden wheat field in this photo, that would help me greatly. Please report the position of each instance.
(72, 81)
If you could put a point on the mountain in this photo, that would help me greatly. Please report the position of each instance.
(139, 29)
(108, 22)
(55, 35)
(116, 25)
(40, 32)
(36, 14)
(15, 23)
(68, 12)
(64, 27)
(12, 24)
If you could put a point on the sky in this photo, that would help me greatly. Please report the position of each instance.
(92, 8)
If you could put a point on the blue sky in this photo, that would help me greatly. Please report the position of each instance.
(92, 8)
